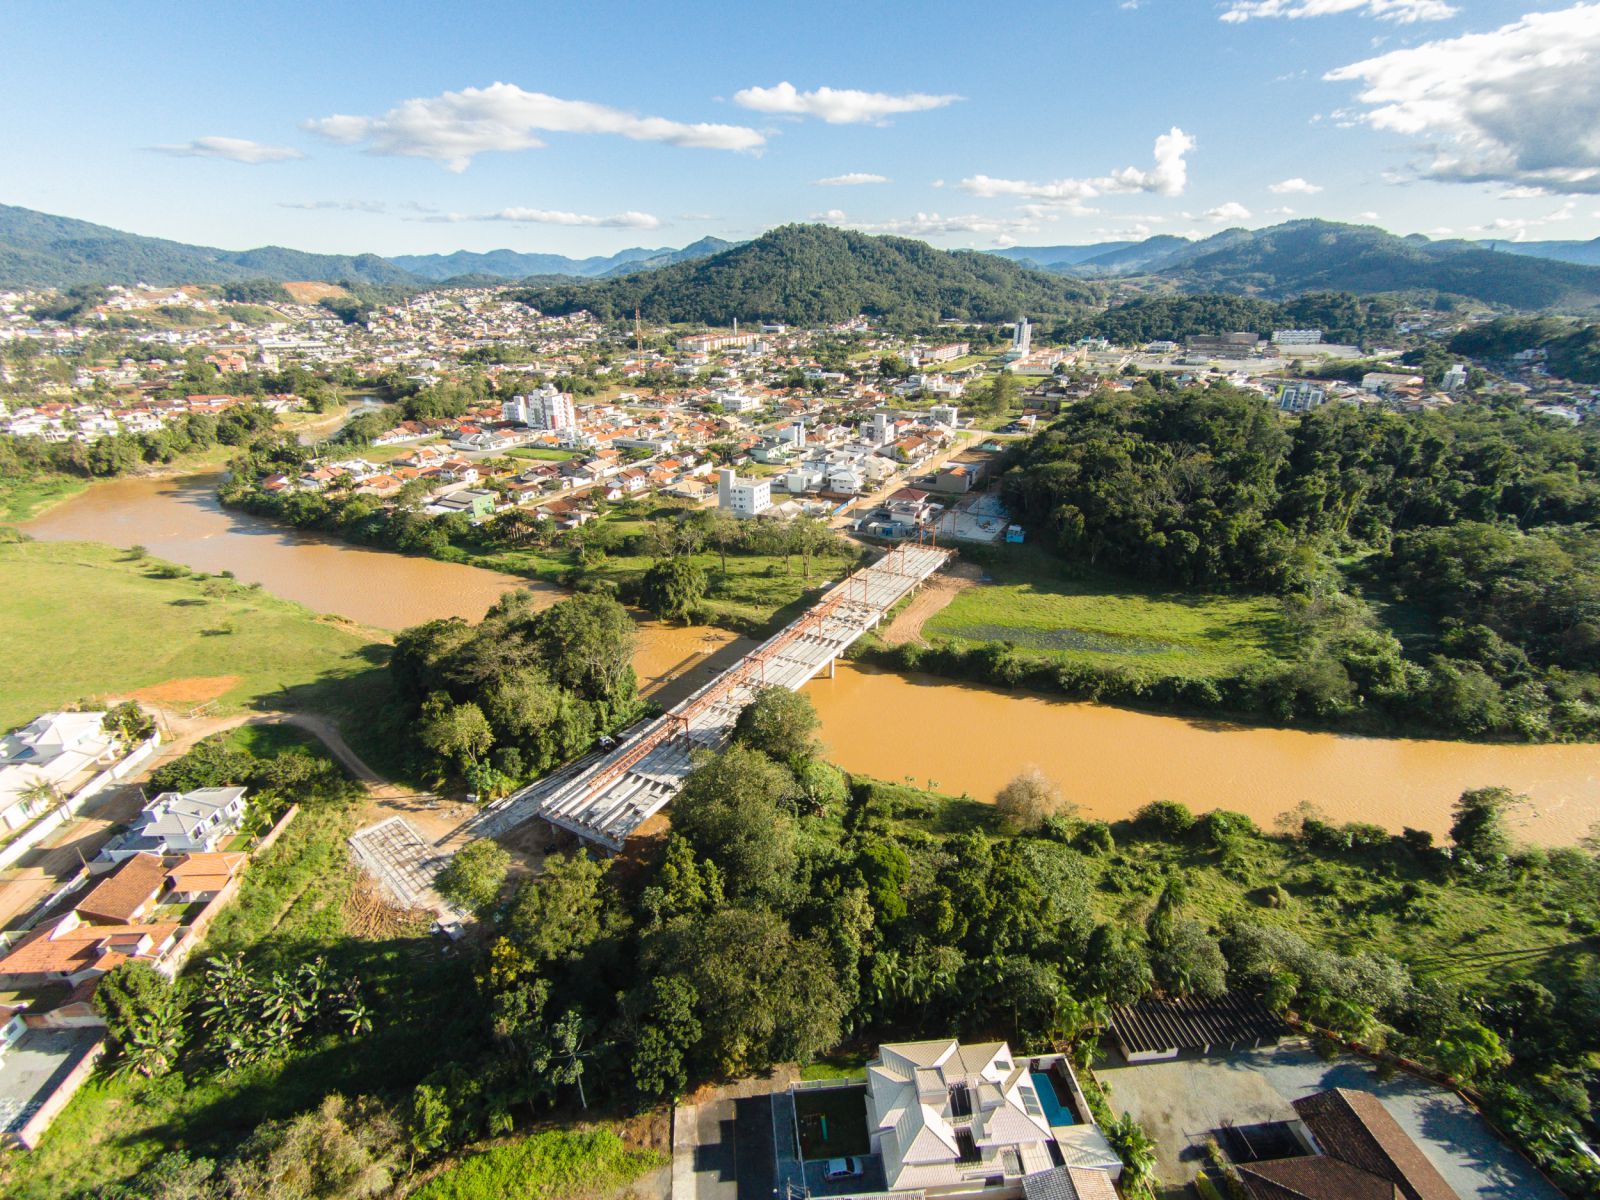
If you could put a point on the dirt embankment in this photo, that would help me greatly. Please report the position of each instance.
(929, 602)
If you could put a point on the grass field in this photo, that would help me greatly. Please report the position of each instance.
(81, 621)
(543, 1166)
(543, 453)
(22, 501)
(1076, 614)
(756, 592)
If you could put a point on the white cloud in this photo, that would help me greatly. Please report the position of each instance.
(1404, 12)
(1518, 227)
(1518, 105)
(1280, 212)
(851, 179)
(361, 206)
(1369, 215)
(837, 106)
(929, 224)
(454, 127)
(1168, 177)
(548, 216)
(1295, 187)
(1224, 213)
(240, 150)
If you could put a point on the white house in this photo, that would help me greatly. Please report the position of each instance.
(747, 499)
(194, 822)
(971, 1120)
(57, 750)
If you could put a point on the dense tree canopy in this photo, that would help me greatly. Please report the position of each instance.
(1480, 518)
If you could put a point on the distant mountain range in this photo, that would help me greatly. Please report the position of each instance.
(1302, 256)
(510, 264)
(1133, 258)
(817, 269)
(817, 274)
(39, 250)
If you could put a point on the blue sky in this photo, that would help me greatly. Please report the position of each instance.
(364, 127)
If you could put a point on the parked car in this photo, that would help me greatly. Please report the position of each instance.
(843, 1168)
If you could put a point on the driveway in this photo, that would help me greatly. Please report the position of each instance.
(1180, 1102)
(722, 1144)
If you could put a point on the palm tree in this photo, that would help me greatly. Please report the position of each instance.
(42, 794)
(1137, 1151)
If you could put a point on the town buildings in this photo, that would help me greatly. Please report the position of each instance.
(748, 498)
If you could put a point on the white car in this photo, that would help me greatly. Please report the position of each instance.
(842, 1168)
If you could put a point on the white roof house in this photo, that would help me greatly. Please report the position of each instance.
(953, 1119)
(55, 749)
(193, 822)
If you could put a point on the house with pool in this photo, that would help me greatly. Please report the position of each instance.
(947, 1119)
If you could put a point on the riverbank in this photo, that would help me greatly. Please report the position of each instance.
(968, 737)
(755, 588)
(85, 621)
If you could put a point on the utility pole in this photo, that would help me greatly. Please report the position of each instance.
(638, 337)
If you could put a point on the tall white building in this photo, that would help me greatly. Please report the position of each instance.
(544, 408)
(1455, 378)
(747, 499)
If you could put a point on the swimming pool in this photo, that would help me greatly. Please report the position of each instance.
(1055, 1112)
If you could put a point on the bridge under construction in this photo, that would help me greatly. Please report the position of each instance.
(604, 797)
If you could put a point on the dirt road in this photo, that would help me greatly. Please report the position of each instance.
(929, 602)
(61, 855)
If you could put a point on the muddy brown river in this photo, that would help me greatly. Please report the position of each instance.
(953, 737)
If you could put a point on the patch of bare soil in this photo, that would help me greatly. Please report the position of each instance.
(195, 689)
(369, 915)
(310, 293)
(930, 602)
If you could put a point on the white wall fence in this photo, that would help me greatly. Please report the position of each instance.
(45, 825)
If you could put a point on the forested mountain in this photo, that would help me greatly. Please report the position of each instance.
(40, 250)
(704, 248)
(1572, 349)
(1343, 318)
(1322, 255)
(1047, 257)
(511, 264)
(816, 274)
(1586, 253)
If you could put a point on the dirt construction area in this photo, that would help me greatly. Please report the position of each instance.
(930, 602)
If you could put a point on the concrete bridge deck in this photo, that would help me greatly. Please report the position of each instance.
(605, 797)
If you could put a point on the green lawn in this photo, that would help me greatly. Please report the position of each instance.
(833, 1122)
(542, 452)
(24, 500)
(83, 621)
(1081, 615)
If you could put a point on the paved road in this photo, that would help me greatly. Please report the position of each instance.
(722, 1147)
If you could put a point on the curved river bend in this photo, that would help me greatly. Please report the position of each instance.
(962, 738)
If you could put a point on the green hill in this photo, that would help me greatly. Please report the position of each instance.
(1303, 256)
(41, 250)
(816, 274)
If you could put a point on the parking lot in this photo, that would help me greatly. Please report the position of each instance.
(1182, 1101)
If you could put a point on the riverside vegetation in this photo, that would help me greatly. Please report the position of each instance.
(1435, 572)
(791, 913)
